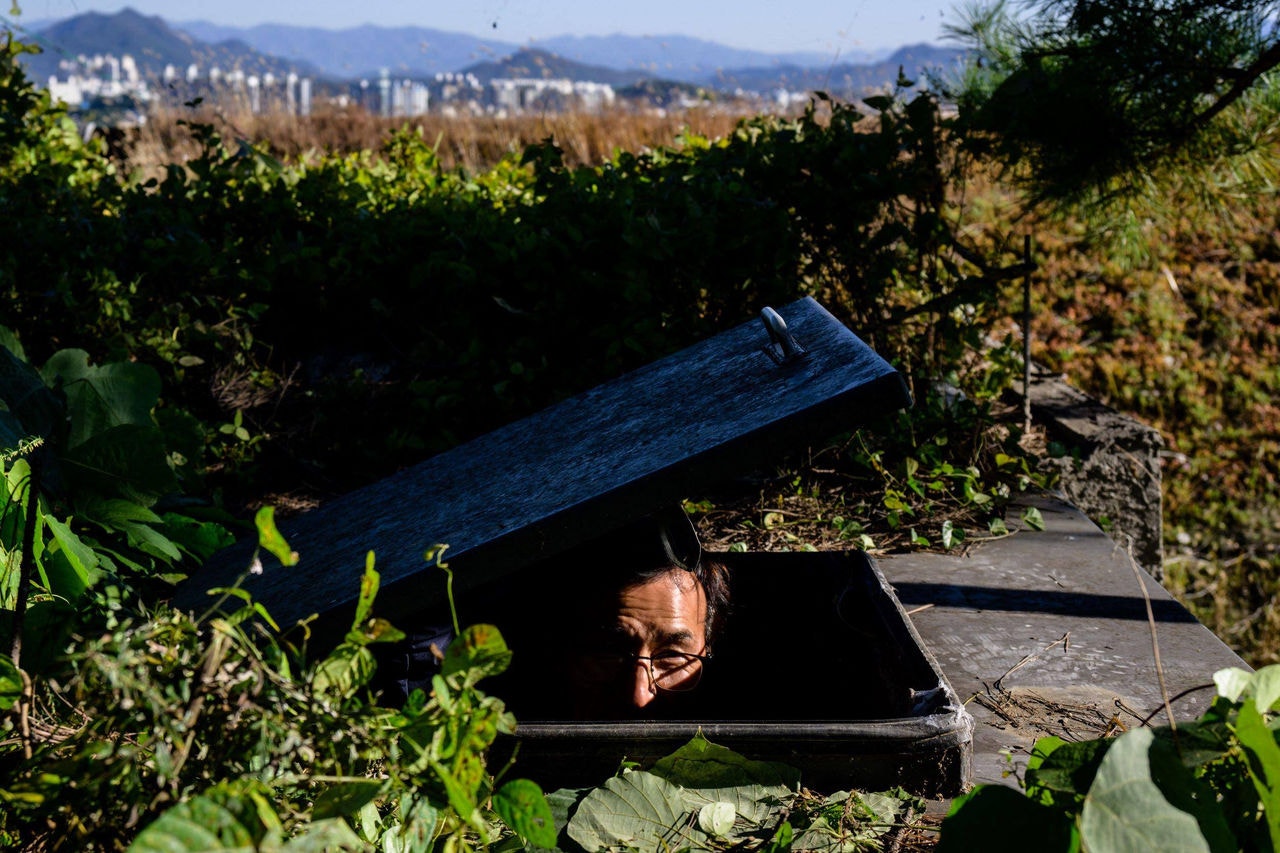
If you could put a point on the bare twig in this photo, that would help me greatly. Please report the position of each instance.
(1028, 658)
(1155, 642)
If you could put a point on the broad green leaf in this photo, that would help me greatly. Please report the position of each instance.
(347, 668)
(1266, 687)
(703, 764)
(375, 631)
(150, 541)
(782, 839)
(10, 684)
(325, 836)
(1231, 682)
(1032, 518)
(112, 511)
(462, 800)
(710, 773)
(10, 341)
(201, 539)
(522, 807)
(345, 798)
(270, 538)
(24, 394)
(1064, 776)
(635, 810)
(126, 461)
(997, 819)
(79, 558)
(101, 398)
(415, 833)
(227, 817)
(479, 652)
(1143, 799)
(1264, 765)
(716, 819)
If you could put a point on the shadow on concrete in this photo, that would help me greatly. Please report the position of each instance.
(1039, 601)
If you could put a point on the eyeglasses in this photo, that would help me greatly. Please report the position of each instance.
(669, 671)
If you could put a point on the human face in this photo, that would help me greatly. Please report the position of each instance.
(666, 613)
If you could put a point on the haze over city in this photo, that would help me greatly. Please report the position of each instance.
(834, 27)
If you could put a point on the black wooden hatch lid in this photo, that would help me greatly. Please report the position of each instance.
(574, 471)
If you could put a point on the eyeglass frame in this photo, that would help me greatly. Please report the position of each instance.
(624, 658)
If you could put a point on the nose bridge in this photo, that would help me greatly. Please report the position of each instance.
(643, 690)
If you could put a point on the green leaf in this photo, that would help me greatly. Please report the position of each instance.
(324, 836)
(1264, 765)
(347, 668)
(345, 798)
(150, 541)
(201, 539)
(522, 807)
(635, 810)
(10, 684)
(126, 461)
(37, 410)
(415, 833)
(462, 800)
(711, 773)
(1143, 799)
(271, 539)
(109, 512)
(101, 398)
(716, 819)
(480, 652)
(368, 592)
(997, 819)
(233, 816)
(1032, 518)
(79, 558)
(1231, 682)
(1266, 687)
(1065, 775)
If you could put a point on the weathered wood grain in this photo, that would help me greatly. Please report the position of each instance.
(573, 471)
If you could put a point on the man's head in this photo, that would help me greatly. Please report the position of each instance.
(648, 608)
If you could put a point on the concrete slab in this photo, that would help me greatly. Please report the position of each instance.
(1046, 632)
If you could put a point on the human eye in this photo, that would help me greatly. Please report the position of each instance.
(669, 660)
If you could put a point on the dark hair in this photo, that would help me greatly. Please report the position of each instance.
(650, 548)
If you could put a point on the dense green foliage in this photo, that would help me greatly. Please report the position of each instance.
(170, 732)
(218, 331)
(275, 300)
(1212, 785)
(1106, 103)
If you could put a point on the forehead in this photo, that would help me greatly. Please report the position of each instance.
(670, 605)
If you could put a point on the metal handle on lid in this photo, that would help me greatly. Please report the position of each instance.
(783, 347)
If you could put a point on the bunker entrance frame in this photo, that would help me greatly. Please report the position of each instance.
(595, 462)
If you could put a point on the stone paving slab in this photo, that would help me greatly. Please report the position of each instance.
(1046, 632)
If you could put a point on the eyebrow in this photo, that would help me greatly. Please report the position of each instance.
(671, 638)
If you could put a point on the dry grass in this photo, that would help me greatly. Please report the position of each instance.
(473, 143)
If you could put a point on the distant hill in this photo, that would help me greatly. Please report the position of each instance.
(542, 64)
(625, 62)
(844, 79)
(677, 57)
(362, 51)
(421, 51)
(151, 41)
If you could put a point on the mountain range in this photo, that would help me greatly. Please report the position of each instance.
(151, 41)
(419, 52)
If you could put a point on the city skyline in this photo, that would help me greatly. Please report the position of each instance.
(823, 26)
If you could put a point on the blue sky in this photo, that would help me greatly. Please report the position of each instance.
(814, 25)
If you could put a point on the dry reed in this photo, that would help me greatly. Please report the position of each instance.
(472, 143)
